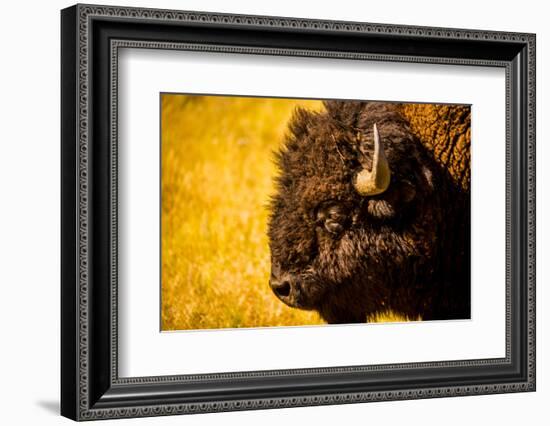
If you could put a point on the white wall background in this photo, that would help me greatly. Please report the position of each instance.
(29, 211)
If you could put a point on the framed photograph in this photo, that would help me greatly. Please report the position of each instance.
(263, 212)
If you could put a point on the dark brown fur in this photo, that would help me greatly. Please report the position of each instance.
(406, 250)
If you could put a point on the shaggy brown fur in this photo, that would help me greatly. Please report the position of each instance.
(349, 256)
(445, 131)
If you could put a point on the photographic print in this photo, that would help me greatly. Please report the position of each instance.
(294, 212)
(267, 210)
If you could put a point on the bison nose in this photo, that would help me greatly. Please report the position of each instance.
(280, 288)
(282, 284)
(287, 289)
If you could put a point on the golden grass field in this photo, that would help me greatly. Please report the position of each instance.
(217, 175)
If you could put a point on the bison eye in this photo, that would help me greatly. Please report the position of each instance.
(333, 227)
(333, 218)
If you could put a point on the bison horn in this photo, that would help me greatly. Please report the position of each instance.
(377, 180)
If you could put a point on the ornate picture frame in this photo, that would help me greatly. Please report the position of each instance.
(91, 37)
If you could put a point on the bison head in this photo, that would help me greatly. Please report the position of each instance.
(354, 215)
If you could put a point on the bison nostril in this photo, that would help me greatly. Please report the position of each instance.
(282, 289)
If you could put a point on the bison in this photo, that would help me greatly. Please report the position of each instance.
(371, 212)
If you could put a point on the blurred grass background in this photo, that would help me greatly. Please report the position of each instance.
(217, 172)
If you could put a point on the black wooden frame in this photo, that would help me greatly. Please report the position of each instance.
(91, 37)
